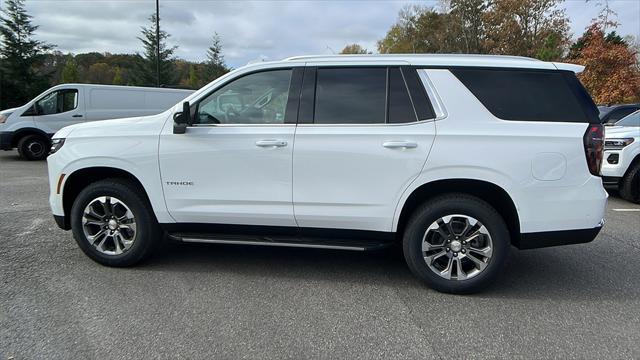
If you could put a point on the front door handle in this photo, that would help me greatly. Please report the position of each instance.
(400, 144)
(271, 143)
(77, 115)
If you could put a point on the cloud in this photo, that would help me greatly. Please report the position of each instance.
(249, 29)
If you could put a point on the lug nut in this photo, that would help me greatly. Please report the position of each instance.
(448, 249)
(455, 254)
(463, 251)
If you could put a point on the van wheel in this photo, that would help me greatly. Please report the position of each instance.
(456, 243)
(33, 147)
(113, 224)
(630, 184)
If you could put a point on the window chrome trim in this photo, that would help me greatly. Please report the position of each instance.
(239, 125)
(436, 102)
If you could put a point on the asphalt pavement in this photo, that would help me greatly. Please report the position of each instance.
(224, 301)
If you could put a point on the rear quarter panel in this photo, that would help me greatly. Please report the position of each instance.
(471, 143)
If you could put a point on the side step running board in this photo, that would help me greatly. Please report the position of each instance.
(337, 244)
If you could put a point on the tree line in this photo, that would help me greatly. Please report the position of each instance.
(29, 66)
(532, 28)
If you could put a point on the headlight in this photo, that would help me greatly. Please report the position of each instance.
(3, 118)
(616, 144)
(56, 144)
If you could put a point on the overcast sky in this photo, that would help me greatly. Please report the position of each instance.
(250, 30)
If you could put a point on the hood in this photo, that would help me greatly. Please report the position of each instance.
(98, 125)
(8, 111)
(611, 132)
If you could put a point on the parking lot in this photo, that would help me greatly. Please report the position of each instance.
(194, 301)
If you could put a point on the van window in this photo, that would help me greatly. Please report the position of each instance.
(530, 95)
(258, 98)
(57, 102)
(350, 96)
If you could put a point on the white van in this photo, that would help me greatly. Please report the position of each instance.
(30, 127)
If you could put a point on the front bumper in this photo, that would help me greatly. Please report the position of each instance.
(6, 138)
(557, 238)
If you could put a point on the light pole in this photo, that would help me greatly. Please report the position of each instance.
(158, 43)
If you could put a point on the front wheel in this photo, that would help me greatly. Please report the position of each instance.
(630, 184)
(113, 224)
(456, 243)
(33, 147)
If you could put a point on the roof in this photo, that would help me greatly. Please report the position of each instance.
(438, 60)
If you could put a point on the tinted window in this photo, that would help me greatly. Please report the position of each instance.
(631, 120)
(400, 108)
(619, 114)
(350, 96)
(57, 102)
(530, 95)
(259, 98)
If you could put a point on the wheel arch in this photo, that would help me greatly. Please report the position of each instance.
(22, 132)
(80, 178)
(493, 194)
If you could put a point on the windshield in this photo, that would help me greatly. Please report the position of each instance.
(630, 120)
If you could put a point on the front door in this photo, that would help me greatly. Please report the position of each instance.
(59, 108)
(233, 166)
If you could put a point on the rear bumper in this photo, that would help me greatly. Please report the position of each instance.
(556, 238)
(6, 137)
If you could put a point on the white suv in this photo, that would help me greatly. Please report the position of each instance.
(621, 165)
(454, 157)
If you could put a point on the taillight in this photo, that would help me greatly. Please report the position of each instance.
(594, 147)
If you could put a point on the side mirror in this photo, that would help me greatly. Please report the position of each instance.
(182, 119)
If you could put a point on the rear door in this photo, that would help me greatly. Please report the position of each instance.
(362, 137)
(59, 108)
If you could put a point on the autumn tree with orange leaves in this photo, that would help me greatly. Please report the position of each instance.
(612, 73)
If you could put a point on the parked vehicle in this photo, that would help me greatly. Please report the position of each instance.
(29, 128)
(621, 167)
(610, 114)
(454, 157)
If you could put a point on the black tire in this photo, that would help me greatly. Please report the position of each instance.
(148, 235)
(630, 184)
(33, 147)
(458, 204)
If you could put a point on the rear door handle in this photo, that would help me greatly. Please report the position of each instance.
(77, 115)
(271, 143)
(400, 144)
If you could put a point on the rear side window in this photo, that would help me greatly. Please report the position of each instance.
(400, 107)
(350, 96)
(528, 95)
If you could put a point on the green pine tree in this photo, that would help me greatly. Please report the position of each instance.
(215, 66)
(145, 71)
(20, 56)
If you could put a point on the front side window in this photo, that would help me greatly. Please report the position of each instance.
(259, 98)
(57, 102)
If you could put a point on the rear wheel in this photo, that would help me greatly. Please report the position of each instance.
(113, 224)
(456, 243)
(630, 184)
(33, 147)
